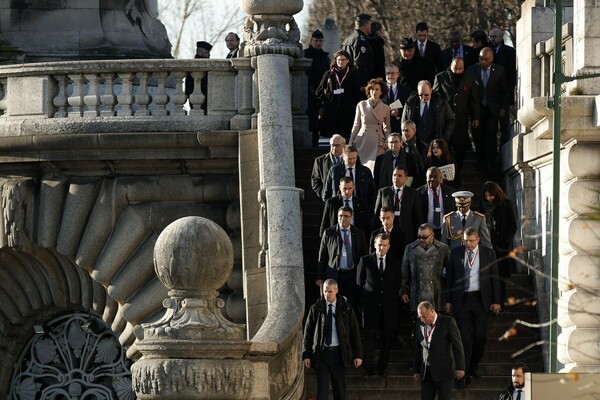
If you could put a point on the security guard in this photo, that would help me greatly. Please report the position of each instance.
(457, 221)
(359, 48)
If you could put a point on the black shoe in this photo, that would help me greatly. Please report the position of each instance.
(475, 373)
(461, 383)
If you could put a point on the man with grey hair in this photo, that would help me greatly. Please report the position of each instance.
(324, 163)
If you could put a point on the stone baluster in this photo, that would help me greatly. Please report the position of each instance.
(193, 351)
(108, 97)
(161, 98)
(245, 109)
(125, 98)
(298, 69)
(76, 99)
(3, 94)
(179, 98)
(92, 99)
(60, 101)
(142, 98)
(197, 98)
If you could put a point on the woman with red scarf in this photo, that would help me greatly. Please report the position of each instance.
(340, 92)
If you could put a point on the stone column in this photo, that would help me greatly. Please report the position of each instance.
(193, 352)
(586, 45)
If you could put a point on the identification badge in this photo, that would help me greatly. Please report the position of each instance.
(437, 209)
(338, 91)
(397, 213)
(344, 251)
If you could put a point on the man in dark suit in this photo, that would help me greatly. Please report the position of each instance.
(341, 247)
(319, 64)
(493, 105)
(323, 164)
(405, 202)
(431, 113)
(331, 341)
(379, 277)
(357, 44)
(438, 353)
(232, 41)
(386, 162)
(396, 91)
(397, 245)
(429, 51)
(473, 292)
(361, 215)
(506, 57)
(458, 49)
(462, 93)
(364, 185)
(436, 200)
(413, 151)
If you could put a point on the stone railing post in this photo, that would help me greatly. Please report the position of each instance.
(193, 352)
(242, 120)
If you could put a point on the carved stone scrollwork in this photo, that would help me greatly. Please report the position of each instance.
(271, 28)
(17, 212)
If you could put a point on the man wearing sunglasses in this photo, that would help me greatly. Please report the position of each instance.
(424, 262)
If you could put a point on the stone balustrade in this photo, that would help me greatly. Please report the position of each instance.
(131, 92)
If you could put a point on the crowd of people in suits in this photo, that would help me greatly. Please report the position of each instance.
(398, 237)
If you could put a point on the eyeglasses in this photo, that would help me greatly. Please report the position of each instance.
(424, 94)
(341, 59)
(335, 144)
(424, 237)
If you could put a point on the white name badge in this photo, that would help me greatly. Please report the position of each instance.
(437, 209)
(338, 91)
(397, 213)
(344, 251)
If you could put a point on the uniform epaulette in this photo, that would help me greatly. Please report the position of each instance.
(478, 213)
(449, 214)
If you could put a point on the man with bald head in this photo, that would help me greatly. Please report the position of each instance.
(462, 93)
(493, 105)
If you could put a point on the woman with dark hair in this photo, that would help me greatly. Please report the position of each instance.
(500, 217)
(371, 124)
(339, 91)
(438, 155)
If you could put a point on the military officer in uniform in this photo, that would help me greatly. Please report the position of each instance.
(357, 44)
(457, 221)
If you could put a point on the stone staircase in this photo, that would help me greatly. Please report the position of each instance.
(399, 384)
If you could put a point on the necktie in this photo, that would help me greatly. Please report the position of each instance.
(422, 49)
(436, 209)
(394, 160)
(485, 77)
(425, 112)
(518, 394)
(397, 200)
(347, 203)
(464, 221)
(329, 326)
(391, 93)
(387, 232)
(381, 264)
(338, 160)
(351, 174)
(348, 247)
(468, 263)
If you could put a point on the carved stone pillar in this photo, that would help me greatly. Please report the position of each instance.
(193, 352)
(271, 28)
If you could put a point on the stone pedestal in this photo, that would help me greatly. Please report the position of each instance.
(193, 352)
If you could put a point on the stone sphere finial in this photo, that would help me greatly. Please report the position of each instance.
(192, 256)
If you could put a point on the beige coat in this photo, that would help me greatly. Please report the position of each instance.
(370, 131)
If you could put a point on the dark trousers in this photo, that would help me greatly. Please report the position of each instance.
(429, 387)
(460, 140)
(386, 338)
(486, 141)
(472, 324)
(347, 286)
(331, 365)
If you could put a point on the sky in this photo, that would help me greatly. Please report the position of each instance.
(204, 25)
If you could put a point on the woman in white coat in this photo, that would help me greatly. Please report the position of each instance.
(371, 124)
